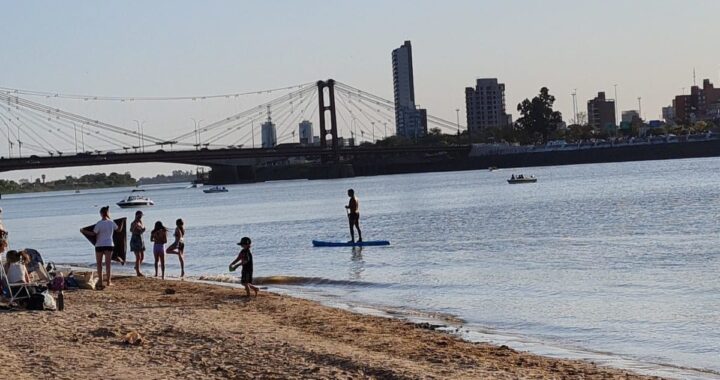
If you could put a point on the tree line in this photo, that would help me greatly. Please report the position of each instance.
(97, 180)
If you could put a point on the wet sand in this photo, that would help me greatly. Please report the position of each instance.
(199, 331)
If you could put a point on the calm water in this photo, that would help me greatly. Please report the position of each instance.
(613, 262)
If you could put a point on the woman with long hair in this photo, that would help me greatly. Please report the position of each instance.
(178, 246)
(159, 237)
(137, 244)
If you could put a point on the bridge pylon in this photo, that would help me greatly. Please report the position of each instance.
(323, 108)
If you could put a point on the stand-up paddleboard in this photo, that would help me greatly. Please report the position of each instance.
(319, 243)
(119, 239)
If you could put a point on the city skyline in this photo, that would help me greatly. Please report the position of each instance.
(649, 49)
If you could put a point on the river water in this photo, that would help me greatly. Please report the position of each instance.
(616, 263)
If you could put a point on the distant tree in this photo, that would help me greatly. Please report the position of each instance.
(537, 116)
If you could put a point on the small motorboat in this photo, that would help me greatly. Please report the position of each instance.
(522, 179)
(136, 199)
(216, 189)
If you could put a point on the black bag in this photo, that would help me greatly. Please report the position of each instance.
(36, 302)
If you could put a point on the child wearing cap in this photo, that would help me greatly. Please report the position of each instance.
(245, 259)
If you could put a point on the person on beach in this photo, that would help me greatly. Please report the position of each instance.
(353, 210)
(159, 237)
(137, 244)
(16, 268)
(245, 259)
(178, 246)
(3, 235)
(103, 233)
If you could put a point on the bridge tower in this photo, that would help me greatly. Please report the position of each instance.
(330, 101)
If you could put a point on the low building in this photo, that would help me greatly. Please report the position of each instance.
(668, 114)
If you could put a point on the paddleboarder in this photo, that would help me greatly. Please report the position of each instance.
(353, 210)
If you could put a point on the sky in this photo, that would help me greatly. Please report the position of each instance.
(648, 48)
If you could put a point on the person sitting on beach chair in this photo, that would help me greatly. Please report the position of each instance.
(15, 277)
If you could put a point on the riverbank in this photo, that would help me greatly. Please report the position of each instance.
(192, 330)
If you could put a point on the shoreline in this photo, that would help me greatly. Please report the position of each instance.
(190, 329)
(457, 327)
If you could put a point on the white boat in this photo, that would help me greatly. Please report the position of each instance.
(136, 199)
(522, 179)
(216, 189)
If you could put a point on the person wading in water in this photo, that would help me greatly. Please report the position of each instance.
(353, 209)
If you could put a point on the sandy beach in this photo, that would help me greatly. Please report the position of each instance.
(192, 330)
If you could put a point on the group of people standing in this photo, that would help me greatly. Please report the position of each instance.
(104, 229)
(158, 236)
(104, 245)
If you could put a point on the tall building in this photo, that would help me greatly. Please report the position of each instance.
(306, 132)
(410, 122)
(702, 104)
(485, 105)
(601, 112)
(269, 134)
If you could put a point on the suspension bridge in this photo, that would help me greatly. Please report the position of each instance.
(350, 120)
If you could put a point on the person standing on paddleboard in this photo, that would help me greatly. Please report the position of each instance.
(353, 210)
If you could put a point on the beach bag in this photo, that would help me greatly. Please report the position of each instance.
(71, 282)
(58, 283)
(86, 280)
(36, 302)
(48, 301)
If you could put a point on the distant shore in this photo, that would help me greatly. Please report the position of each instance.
(192, 330)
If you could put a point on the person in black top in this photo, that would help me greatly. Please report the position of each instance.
(353, 209)
(245, 259)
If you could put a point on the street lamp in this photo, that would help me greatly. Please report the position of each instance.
(197, 134)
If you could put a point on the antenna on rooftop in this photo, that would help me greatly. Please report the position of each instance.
(694, 80)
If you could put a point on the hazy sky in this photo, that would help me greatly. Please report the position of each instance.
(172, 48)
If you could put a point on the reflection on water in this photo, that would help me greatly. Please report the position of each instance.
(357, 264)
(619, 258)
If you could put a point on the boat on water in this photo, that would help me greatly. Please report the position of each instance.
(136, 199)
(521, 179)
(216, 189)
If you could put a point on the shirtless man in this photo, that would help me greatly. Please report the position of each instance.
(353, 208)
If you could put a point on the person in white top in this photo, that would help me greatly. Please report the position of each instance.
(103, 233)
(16, 271)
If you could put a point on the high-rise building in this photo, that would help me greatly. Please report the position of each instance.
(410, 122)
(702, 104)
(485, 105)
(269, 134)
(601, 112)
(306, 132)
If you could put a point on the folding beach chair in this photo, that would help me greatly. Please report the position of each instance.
(12, 291)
